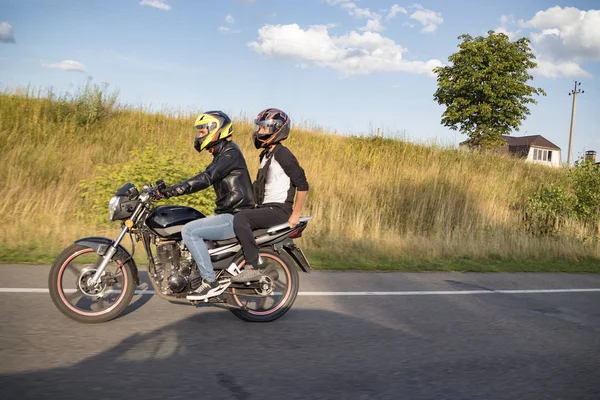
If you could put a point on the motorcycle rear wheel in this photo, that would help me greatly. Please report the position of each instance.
(282, 270)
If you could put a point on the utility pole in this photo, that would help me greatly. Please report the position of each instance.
(576, 90)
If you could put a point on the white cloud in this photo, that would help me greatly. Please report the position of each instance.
(67, 65)
(501, 29)
(428, 18)
(567, 33)
(505, 22)
(362, 13)
(374, 19)
(373, 25)
(554, 16)
(156, 4)
(552, 69)
(351, 54)
(229, 19)
(564, 38)
(334, 2)
(6, 32)
(396, 9)
(354, 10)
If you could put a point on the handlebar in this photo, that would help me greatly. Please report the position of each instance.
(153, 191)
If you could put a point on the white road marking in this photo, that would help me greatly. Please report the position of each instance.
(23, 290)
(446, 292)
(396, 293)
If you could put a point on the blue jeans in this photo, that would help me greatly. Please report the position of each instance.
(214, 227)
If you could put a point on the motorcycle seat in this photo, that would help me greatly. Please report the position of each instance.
(224, 242)
(261, 232)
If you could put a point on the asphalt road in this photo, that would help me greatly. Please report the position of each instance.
(436, 346)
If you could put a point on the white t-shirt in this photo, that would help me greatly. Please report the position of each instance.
(284, 176)
(277, 184)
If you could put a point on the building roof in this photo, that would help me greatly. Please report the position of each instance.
(528, 141)
(521, 144)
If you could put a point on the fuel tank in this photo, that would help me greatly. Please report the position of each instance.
(167, 221)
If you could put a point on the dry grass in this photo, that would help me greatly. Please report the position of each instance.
(370, 197)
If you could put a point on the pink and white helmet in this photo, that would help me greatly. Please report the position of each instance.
(278, 124)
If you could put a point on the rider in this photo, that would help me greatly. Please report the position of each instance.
(228, 174)
(279, 179)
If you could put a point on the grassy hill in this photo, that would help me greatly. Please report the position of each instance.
(378, 203)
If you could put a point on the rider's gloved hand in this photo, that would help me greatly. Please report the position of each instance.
(170, 191)
(160, 194)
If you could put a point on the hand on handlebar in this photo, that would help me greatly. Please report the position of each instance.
(158, 194)
(162, 191)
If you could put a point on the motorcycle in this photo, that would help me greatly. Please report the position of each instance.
(94, 279)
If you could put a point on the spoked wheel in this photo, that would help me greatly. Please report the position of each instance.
(76, 298)
(274, 294)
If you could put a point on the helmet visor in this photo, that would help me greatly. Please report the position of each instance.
(209, 125)
(203, 130)
(264, 129)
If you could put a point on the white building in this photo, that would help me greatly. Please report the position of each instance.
(536, 149)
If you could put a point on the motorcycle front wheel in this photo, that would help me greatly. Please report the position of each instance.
(70, 292)
(280, 276)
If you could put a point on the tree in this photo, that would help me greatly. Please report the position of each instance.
(485, 88)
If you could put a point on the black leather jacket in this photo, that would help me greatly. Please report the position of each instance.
(228, 173)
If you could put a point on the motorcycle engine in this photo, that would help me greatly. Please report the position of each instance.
(174, 267)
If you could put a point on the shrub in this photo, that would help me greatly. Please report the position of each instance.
(551, 206)
(144, 166)
(90, 104)
(547, 210)
(585, 178)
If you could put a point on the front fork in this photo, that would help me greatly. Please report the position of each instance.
(93, 281)
(107, 257)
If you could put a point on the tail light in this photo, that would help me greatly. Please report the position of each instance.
(297, 233)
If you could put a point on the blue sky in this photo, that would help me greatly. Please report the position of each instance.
(347, 66)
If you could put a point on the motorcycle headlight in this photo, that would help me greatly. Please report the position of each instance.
(113, 204)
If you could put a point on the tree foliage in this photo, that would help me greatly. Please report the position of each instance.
(485, 88)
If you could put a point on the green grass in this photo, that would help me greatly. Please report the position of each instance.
(33, 253)
(324, 261)
(27, 253)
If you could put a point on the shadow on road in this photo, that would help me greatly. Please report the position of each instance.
(214, 355)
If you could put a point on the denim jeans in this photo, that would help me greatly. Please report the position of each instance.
(214, 227)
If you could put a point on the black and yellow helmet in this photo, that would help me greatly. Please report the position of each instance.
(218, 125)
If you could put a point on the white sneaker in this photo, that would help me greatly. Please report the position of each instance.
(209, 289)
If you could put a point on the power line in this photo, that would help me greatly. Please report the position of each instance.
(576, 90)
